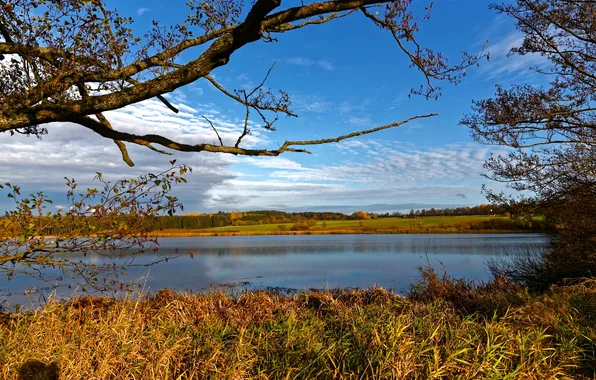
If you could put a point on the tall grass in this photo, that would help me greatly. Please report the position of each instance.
(443, 329)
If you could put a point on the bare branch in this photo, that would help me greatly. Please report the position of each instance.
(102, 119)
(246, 102)
(353, 134)
(215, 130)
(245, 131)
(123, 69)
(119, 144)
(287, 27)
(161, 98)
(286, 147)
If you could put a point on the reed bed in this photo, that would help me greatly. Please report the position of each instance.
(443, 328)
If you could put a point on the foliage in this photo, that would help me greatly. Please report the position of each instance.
(482, 209)
(360, 215)
(445, 329)
(552, 130)
(71, 61)
(192, 221)
(303, 225)
(572, 255)
(117, 216)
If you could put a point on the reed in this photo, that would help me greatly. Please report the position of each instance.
(443, 328)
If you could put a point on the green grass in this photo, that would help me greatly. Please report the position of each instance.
(436, 223)
(444, 329)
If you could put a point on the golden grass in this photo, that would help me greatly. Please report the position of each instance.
(444, 329)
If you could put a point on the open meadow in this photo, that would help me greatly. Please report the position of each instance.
(434, 224)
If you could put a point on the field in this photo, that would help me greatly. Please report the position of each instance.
(433, 221)
(436, 224)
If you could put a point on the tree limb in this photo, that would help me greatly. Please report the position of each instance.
(144, 140)
(215, 130)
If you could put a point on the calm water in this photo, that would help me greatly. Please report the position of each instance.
(310, 261)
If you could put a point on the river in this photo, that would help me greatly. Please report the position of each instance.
(303, 262)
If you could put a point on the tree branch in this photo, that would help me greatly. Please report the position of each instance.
(245, 102)
(217, 54)
(120, 84)
(245, 131)
(215, 130)
(144, 140)
(102, 119)
(353, 134)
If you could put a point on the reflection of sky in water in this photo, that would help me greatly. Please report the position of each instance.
(309, 261)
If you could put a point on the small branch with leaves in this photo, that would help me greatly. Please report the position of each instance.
(107, 221)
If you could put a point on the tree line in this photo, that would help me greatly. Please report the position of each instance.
(251, 218)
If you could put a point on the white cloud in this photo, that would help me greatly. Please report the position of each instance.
(360, 121)
(75, 152)
(310, 103)
(197, 90)
(501, 64)
(141, 11)
(177, 96)
(354, 112)
(238, 194)
(308, 62)
(324, 64)
(372, 171)
(272, 163)
(362, 171)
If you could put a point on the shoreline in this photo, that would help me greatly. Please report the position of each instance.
(459, 329)
(198, 233)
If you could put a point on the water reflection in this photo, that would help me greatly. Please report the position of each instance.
(309, 261)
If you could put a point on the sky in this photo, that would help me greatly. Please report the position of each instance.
(342, 76)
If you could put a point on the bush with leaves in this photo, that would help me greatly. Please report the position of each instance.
(300, 225)
(116, 216)
(550, 133)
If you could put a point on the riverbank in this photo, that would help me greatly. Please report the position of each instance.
(443, 329)
(362, 231)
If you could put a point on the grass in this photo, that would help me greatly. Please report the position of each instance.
(443, 329)
(447, 224)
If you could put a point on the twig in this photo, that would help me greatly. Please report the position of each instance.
(215, 130)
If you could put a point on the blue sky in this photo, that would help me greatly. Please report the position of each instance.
(343, 76)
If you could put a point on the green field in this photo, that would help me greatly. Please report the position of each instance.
(436, 222)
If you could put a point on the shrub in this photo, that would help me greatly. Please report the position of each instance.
(301, 225)
(571, 256)
(361, 215)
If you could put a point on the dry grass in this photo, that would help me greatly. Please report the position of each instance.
(444, 329)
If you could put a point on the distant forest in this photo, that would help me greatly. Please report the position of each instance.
(248, 218)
